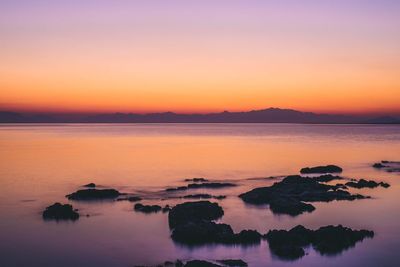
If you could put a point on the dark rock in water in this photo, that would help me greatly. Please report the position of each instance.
(203, 196)
(194, 211)
(325, 240)
(213, 185)
(205, 232)
(130, 199)
(92, 185)
(366, 184)
(332, 240)
(94, 194)
(288, 195)
(179, 188)
(322, 169)
(289, 206)
(147, 208)
(201, 232)
(210, 185)
(196, 180)
(326, 178)
(389, 166)
(378, 166)
(199, 263)
(166, 208)
(233, 263)
(59, 211)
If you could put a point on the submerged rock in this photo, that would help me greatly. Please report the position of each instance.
(211, 185)
(94, 194)
(203, 196)
(288, 196)
(196, 180)
(325, 240)
(194, 211)
(321, 169)
(147, 208)
(92, 185)
(326, 178)
(366, 184)
(233, 263)
(58, 211)
(389, 166)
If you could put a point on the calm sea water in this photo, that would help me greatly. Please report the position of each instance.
(40, 164)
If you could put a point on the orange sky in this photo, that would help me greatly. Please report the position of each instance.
(184, 58)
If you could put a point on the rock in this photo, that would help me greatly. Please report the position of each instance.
(210, 185)
(92, 185)
(147, 208)
(288, 196)
(94, 194)
(326, 178)
(332, 240)
(59, 211)
(389, 166)
(166, 208)
(199, 263)
(203, 196)
(366, 184)
(194, 211)
(201, 232)
(130, 199)
(325, 240)
(196, 180)
(233, 263)
(247, 237)
(289, 206)
(213, 185)
(322, 169)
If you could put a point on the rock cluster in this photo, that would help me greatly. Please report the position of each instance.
(58, 211)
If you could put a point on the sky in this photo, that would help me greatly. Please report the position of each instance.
(340, 56)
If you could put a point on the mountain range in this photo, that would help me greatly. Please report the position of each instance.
(269, 115)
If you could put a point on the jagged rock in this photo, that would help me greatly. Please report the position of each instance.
(325, 240)
(366, 184)
(326, 178)
(233, 263)
(166, 208)
(322, 169)
(194, 211)
(94, 194)
(147, 208)
(288, 196)
(58, 211)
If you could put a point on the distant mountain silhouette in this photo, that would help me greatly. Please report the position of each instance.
(270, 115)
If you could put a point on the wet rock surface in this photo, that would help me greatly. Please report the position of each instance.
(389, 166)
(328, 240)
(288, 196)
(321, 169)
(59, 211)
(94, 194)
(366, 184)
(147, 208)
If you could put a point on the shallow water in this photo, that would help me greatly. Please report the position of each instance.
(40, 164)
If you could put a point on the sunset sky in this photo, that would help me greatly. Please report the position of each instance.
(339, 56)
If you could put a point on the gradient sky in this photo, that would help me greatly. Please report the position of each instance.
(340, 56)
